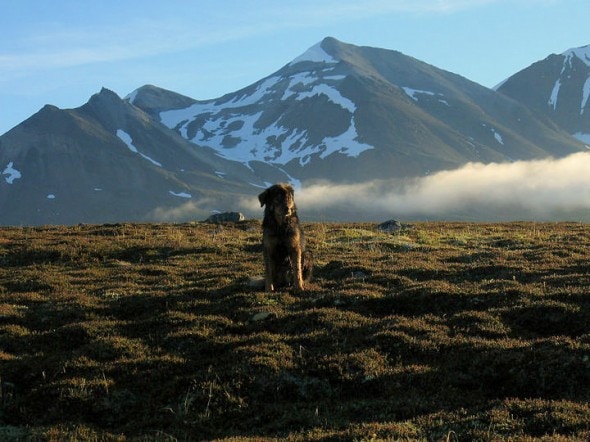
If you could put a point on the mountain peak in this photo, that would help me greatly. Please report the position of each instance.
(49, 108)
(107, 93)
(104, 97)
(317, 53)
(153, 98)
(583, 53)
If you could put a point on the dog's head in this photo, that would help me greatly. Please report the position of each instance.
(279, 201)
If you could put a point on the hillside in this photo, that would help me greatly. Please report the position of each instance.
(434, 332)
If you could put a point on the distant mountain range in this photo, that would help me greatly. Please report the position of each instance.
(338, 113)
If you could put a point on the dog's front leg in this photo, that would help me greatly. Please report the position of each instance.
(296, 262)
(270, 271)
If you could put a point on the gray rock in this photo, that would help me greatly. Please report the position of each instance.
(263, 316)
(390, 226)
(226, 217)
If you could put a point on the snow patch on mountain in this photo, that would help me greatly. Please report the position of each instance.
(301, 87)
(126, 138)
(301, 79)
(335, 77)
(233, 129)
(333, 95)
(498, 137)
(582, 53)
(253, 144)
(11, 173)
(345, 143)
(180, 194)
(413, 93)
(554, 94)
(173, 118)
(261, 91)
(315, 54)
(180, 118)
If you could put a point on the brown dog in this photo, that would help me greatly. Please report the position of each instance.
(283, 242)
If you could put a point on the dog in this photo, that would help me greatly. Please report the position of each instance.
(286, 260)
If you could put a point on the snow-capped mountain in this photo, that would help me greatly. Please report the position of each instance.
(559, 87)
(338, 113)
(241, 136)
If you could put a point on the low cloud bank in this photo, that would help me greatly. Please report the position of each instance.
(189, 211)
(549, 189)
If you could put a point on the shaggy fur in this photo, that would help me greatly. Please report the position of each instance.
(285, 258)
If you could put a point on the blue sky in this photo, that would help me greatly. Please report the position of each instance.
(61, 52)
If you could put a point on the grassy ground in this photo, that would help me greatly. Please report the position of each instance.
(440, 331)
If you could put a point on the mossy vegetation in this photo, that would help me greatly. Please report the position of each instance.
(439, 331)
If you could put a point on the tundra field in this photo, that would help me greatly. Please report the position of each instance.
(437, 331)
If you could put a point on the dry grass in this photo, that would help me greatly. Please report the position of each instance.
(437, 332)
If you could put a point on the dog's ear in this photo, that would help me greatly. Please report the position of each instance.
(262, 198)
(290, 189)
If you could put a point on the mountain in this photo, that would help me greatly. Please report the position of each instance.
(557, 87)
(338, 113)
(348, 114)
(106, 161)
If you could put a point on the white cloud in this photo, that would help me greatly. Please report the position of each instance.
(189, 211)
(542, 189)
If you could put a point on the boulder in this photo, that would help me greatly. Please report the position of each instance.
(391, 225)
(226, 217)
